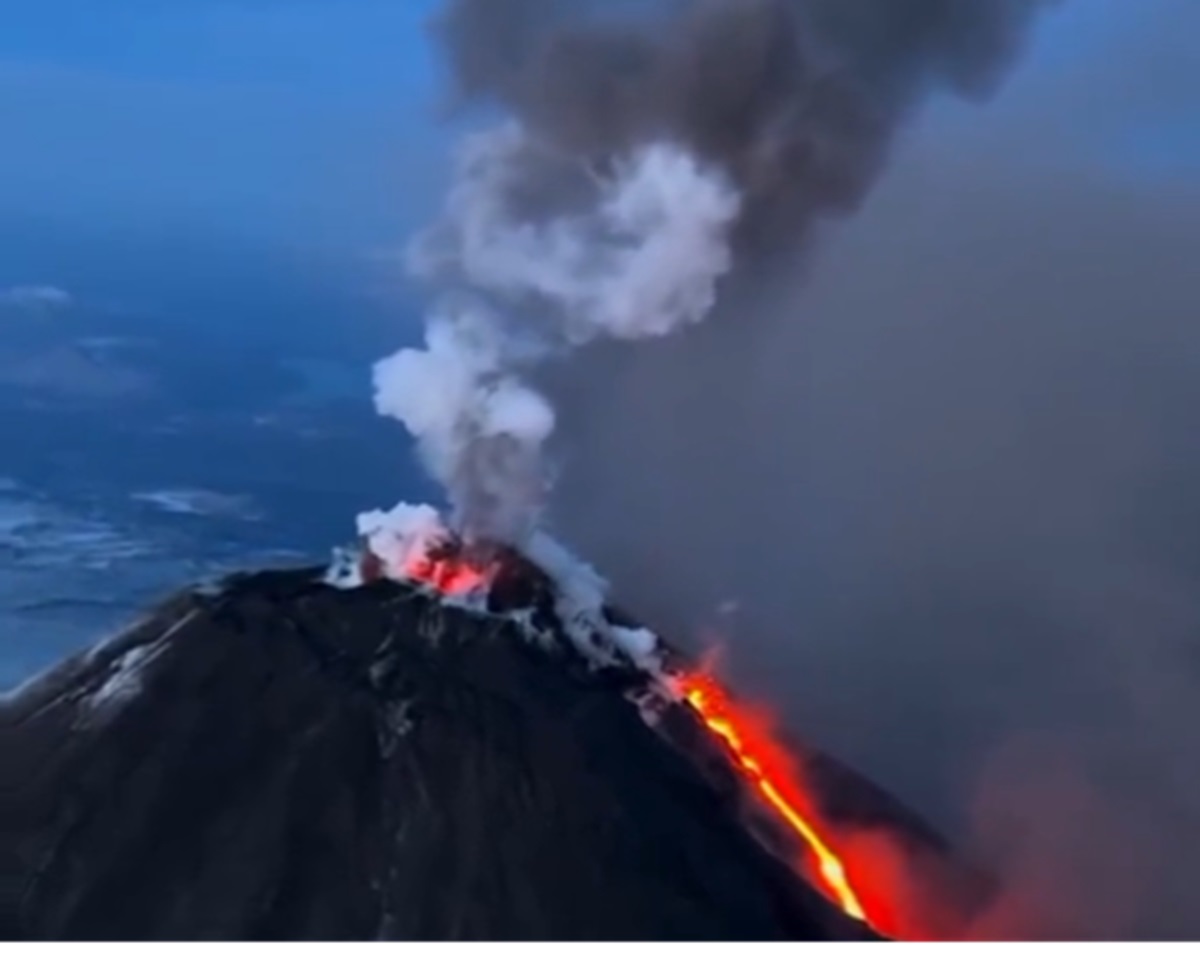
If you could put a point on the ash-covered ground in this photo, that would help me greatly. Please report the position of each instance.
(277, 758)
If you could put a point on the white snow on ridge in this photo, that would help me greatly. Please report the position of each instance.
(345, 569)
(124, 681)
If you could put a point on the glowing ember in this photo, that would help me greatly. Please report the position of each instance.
(763, 762)
(449, 575)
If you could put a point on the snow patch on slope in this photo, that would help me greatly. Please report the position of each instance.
(124, 681)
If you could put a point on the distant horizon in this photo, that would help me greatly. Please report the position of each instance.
(170, 117)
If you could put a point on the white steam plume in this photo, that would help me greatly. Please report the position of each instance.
(629, 250)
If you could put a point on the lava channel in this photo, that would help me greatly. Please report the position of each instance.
(763, 763)
(759, 758)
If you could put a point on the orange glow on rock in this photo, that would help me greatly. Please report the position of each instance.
(449, 575)
(763, 762)
(759, 758)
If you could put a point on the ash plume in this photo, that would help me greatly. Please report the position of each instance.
(645, 155)
(950, 479)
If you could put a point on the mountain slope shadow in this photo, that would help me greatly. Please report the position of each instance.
(279, 759)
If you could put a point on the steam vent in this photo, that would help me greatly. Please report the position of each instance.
(282, 758)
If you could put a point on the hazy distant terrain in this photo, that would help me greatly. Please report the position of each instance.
(144, 446)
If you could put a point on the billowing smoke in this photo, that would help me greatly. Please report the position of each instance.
(636, 255)
(646, 154)
(951, 479)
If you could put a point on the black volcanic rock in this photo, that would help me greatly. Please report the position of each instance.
(279, 759)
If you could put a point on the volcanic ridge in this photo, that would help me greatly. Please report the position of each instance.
(430, 740)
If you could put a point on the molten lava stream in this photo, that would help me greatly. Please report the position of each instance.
(759, 758)
(762, 762)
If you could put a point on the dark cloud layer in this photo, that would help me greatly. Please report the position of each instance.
(797, 99)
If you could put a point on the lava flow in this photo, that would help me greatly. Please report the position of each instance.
(761, 760)
(763, 763)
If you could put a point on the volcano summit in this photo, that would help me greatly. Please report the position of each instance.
(286, 756)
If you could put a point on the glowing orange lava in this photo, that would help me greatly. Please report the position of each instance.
(764, 763)
(451, 577)
(762, 760)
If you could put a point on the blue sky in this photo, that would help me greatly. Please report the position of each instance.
(263, 116)
(312, 120)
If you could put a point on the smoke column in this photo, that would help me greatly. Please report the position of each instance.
(645, 157)
(948, 473)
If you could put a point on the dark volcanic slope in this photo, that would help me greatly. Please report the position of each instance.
(287, 760)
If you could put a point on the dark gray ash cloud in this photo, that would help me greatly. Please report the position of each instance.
(948, 470)
(799, 100)
(650, 153)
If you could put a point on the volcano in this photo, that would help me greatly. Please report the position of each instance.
(437, 756)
